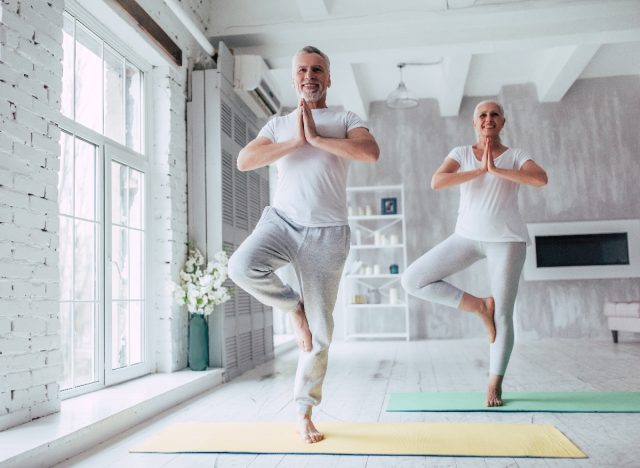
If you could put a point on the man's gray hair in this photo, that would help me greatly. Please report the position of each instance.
(312, 50)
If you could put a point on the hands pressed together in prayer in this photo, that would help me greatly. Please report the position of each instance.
(487, 162)
(306, 125)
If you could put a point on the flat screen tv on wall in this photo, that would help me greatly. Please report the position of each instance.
(582, 250)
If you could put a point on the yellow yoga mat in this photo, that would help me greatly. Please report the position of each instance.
(410, 438)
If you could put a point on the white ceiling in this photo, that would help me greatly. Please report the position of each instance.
(484, 44)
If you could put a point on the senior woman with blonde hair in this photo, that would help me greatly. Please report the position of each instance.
(489, 226)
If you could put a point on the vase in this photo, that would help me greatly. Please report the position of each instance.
(198, 342)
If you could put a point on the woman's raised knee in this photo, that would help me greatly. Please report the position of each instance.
(409, 282)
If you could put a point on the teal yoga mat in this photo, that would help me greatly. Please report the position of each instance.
(535, 402)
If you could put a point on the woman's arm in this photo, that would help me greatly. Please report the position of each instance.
(447, 175)
(530, 174)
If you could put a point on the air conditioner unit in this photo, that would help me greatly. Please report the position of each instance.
(254, 83)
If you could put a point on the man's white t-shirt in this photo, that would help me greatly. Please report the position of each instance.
(489, 204)
(312, 183)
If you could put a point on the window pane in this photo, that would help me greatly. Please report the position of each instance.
(66, 341)
(118, 194)
(85, 260)
(113, 97)
(88, 92)
(136, 197)
(136, 264)
(66, 249)
(134, 108)
(136, 336)
(127, 251)
(67, 66)
(84, 329)
(65, 176)
(85, 180)
(119, 263)
(120, 334)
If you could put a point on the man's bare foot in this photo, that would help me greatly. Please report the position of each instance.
(308, 431)
(486, 313)
(301, 328)
(494, 391)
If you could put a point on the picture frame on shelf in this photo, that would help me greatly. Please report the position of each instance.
(389, 206)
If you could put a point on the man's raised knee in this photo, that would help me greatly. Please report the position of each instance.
(237, 269)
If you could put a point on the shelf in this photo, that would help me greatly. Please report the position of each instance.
(375, 217)
(375, 306)
(374, 188)
(373, 246)
(386, 276)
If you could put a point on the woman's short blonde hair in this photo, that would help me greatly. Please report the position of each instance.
(488, 101)
(475, 112)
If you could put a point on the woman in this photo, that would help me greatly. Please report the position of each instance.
(489, 226)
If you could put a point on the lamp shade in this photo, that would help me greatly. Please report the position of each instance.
(401, 98)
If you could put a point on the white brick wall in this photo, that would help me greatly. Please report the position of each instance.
(30, 84)
(30, 88)
(169, 215)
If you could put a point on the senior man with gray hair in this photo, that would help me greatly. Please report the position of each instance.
(307, 224)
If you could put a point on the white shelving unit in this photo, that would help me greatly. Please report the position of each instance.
(375, 304)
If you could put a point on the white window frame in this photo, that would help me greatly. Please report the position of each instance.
(107, 151)
(113, 376)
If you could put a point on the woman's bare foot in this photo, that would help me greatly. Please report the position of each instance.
(494, 391)
(486, 313)
(485, 307)
(308, 431)
(301, 328)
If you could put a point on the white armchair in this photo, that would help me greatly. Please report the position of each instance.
(622, 316)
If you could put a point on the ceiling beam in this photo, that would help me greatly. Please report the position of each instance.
(562, 69)
(313, 8)
(343, 80)
(454, 77)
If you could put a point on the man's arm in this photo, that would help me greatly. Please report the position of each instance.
(261, 151)
(360, 145)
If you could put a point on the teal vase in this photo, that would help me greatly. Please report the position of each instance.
(198, 342)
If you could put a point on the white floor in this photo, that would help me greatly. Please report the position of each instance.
(363, 374)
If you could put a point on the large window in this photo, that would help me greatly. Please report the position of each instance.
(103, 212)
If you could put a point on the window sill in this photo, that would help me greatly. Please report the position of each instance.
(89, 419)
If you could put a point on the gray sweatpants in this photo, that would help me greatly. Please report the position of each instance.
(424, 279)
(318, 255)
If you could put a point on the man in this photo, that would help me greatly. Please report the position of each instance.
(307, 224)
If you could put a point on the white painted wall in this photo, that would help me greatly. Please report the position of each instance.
(588, 143)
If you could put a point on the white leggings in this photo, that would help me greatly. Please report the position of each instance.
(424, 279)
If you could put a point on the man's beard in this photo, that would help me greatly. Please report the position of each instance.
(312, 96)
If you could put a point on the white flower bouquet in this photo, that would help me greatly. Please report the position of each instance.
(200, 287)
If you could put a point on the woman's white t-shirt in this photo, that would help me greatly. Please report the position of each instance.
(488, 209)
(312, 183)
